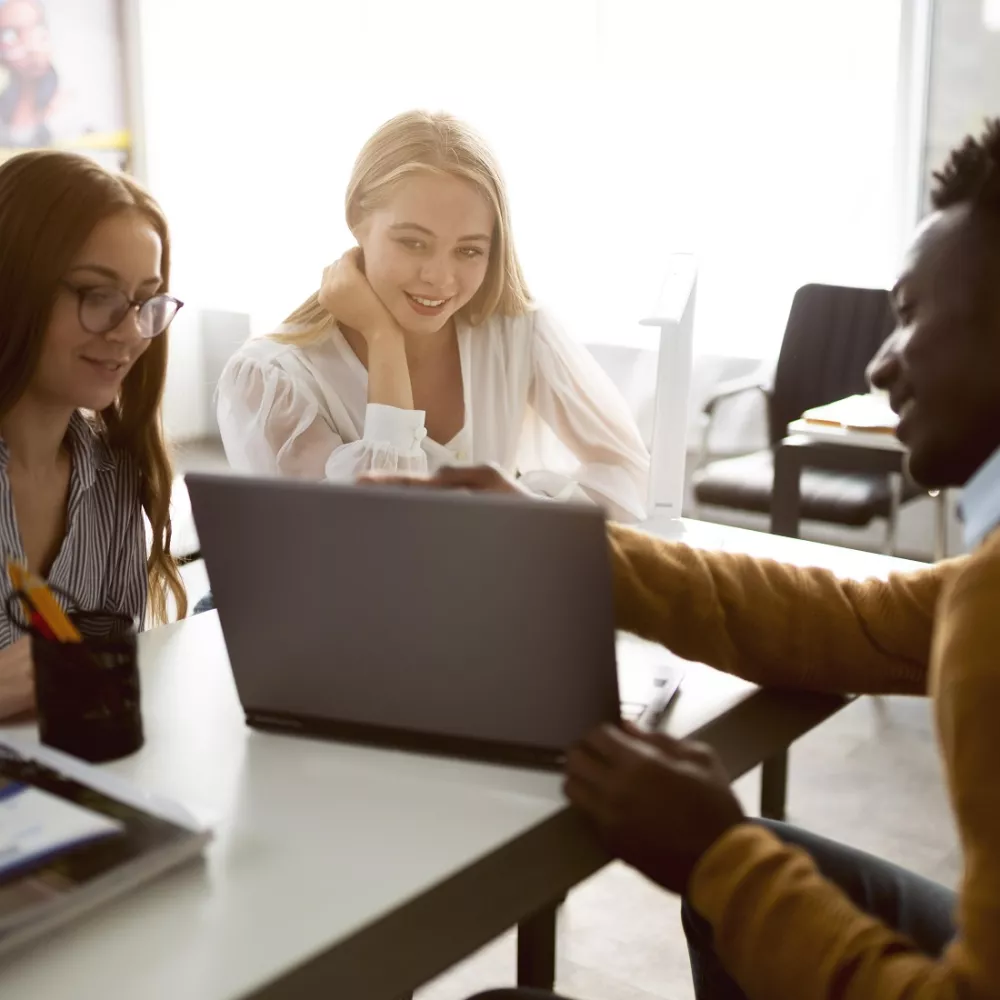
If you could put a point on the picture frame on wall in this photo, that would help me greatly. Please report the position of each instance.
(63, 80)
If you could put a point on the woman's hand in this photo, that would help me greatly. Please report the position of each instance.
(476, 478)
(347, 296)
(17, 681)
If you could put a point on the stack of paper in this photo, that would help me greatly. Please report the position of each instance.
(71, 839)
(869, 413)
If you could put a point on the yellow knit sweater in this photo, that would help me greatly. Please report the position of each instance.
(781, 929)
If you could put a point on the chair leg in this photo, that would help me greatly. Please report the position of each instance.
(786, 494)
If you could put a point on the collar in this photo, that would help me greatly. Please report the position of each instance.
(88, 447)
(981, 502)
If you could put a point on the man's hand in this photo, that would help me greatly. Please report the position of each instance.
(17, 679)
(658, 803)
(476, 478)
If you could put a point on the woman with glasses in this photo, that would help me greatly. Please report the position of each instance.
(84, 273)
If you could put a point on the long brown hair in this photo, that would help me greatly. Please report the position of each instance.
(50, 202)
(437, 143)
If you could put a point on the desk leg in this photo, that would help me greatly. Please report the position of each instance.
(773, 786)
(785, 492)
(536, 950)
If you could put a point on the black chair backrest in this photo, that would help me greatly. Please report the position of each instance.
(831, 335)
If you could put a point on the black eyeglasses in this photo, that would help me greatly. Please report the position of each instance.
(102, 309)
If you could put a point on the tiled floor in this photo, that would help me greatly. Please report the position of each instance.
(869, 777)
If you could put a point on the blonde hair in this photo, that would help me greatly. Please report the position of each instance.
(50, 203)
(435, 143)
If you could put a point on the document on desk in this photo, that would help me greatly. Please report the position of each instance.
(67, 844)
(35, 825)
(869, 413)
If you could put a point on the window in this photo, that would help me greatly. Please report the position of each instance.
(758, 135)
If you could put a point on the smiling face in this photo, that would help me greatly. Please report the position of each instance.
(426, 249)
(82, 370)
(941, 367)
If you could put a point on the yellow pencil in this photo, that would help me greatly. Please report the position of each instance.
(16, 571)
(43, 601)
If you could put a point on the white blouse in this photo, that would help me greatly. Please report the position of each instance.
(304, 411)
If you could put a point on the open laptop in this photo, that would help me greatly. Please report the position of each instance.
(475, 625)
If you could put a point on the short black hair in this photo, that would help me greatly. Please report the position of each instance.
(972, 175)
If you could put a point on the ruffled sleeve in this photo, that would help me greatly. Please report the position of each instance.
(572, 394)
(274, 421)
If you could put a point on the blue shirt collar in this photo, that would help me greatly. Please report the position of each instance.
(981, 502)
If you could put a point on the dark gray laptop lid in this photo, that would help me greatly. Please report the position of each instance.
(439, 615)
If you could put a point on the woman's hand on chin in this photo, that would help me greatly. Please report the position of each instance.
(347, 296)
(474, 478)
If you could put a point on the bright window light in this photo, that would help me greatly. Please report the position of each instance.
(759, 136)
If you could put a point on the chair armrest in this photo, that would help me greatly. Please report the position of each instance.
(733, 387)
(725, 390)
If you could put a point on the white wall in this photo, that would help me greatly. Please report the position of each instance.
(185, 415)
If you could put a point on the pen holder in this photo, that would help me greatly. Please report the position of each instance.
(87, 693)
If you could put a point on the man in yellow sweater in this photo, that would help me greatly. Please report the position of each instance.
(774, 913)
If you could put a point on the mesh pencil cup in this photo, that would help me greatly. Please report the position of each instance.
(87, 692)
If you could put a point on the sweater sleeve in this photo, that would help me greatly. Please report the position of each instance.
(777, 625)
(784, 932)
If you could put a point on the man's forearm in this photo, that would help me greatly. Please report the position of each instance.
(773, 624)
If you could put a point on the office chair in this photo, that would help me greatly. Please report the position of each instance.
(831, 335)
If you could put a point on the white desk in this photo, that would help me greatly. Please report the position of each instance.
(355, 873)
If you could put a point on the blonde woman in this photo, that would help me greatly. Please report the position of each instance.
(84, 309)
(423, 347)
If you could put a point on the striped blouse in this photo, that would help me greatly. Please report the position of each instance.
(102, 560)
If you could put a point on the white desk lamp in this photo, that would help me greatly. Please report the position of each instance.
(674, 315)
